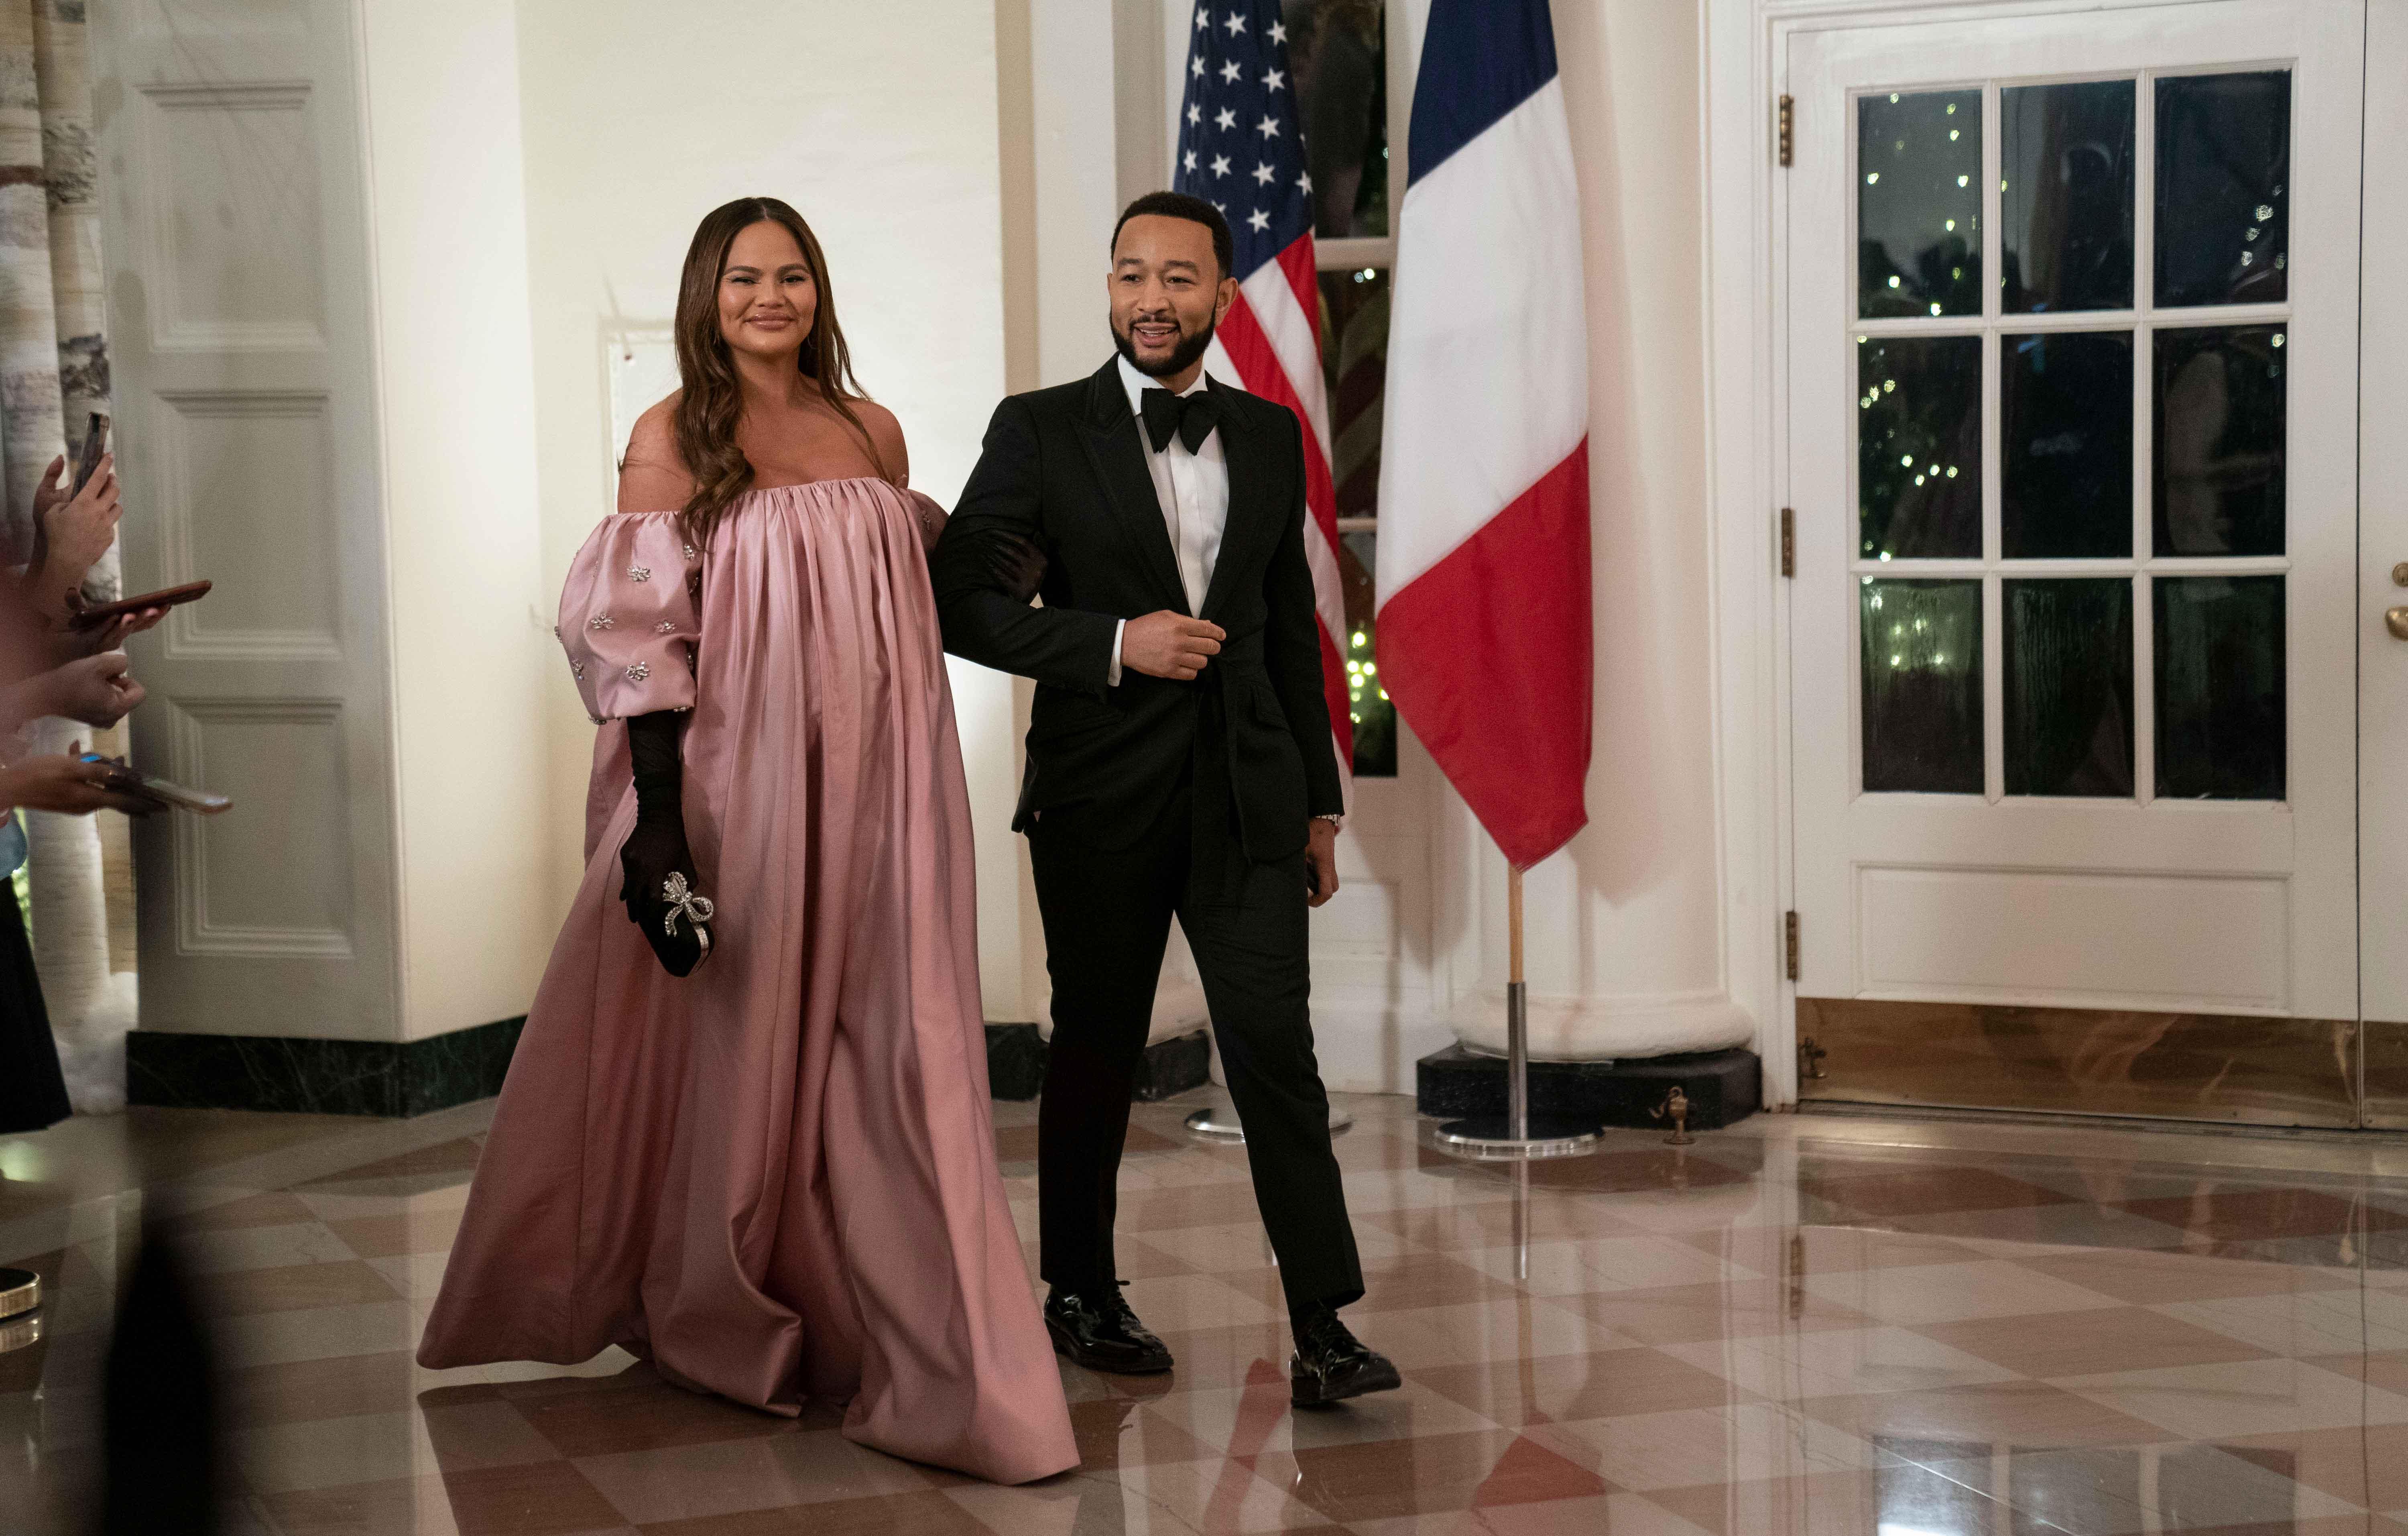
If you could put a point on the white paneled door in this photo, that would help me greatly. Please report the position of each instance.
(235, 242)
(2073, 395)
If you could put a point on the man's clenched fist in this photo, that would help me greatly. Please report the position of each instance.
(1165, 644)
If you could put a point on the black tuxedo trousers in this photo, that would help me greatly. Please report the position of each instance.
(1107, 913)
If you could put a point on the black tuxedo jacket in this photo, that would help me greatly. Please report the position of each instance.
(1064, 468)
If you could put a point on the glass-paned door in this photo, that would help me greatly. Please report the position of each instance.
(2073, 346)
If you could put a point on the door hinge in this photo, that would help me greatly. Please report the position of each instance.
(1788, 542)
(1786, 117)
(1789, 944)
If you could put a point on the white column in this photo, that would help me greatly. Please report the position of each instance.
(1625, 951)
(470, 615)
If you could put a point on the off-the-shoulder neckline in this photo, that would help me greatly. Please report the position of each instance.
(794, 485)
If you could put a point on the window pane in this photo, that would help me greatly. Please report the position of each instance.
(2065, 215)
(1374, 718)
(1337, 50)
(2065, 457)
(2068, 687)
(2219, 669)
(1919, 446)
(1354, 369)
(2219, 411)
(1355, 366)
(1918, 207)
(2224, 162)
(1921, 650)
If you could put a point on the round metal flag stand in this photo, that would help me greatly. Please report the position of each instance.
(21, 1317)
(20, 1291)
(1516, 1136)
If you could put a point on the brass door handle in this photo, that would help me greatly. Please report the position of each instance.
(2396, 620)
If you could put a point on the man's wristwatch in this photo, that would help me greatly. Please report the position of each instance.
(1337, 823)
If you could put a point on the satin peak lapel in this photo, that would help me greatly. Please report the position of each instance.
(1118, 455)
(1255, 505)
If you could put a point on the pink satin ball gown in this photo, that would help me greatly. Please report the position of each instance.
(775, 1179)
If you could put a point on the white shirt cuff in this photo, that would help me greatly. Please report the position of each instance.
(1113, 673)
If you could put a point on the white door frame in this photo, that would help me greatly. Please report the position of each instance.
(1746, 47)
(2383, 533)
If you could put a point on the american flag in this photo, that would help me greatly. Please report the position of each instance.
(1241, 148)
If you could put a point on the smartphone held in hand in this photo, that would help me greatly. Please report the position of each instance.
(121, 780)
(96, 443)
(101, 613)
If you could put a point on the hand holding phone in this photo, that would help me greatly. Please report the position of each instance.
(95, 443)
(73, 527)
(117, 779)
(68, 785)
(101, 613)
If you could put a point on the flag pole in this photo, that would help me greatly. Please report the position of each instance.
(1517, 1015)
(1517, 1135)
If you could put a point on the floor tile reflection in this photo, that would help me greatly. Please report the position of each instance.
(1799, 1326)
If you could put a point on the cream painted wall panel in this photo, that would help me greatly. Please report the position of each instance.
(1077, 196)
(470, 608)
(878, 122)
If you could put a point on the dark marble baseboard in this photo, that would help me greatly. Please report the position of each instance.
(390, 1078)
(1016, 1064)
(414, 1077)
(1015, 1061)
(1722, 1086)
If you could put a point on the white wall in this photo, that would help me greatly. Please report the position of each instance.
(879, 123)
(455, 402)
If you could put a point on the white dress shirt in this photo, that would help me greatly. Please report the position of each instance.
(1194, 491)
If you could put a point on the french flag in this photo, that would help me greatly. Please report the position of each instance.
(1483, 550)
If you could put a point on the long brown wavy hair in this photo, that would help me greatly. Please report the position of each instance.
(712, 402)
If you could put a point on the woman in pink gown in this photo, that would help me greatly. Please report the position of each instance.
(775, 1177)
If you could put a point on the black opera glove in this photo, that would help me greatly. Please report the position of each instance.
(658, 867)
(1016, 563)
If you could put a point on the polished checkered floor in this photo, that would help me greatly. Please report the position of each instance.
(1805, 1324)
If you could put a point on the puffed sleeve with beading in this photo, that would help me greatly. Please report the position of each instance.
(628, 616)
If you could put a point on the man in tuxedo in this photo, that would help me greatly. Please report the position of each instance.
(1180, 762)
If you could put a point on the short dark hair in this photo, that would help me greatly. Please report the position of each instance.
(1179, 204)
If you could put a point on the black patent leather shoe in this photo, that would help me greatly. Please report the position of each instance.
(1100, 1332)
(1330, 1363)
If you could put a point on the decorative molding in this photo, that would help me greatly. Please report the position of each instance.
(187, 640)
(232, 95)
(246, 402)
(195, 933)
(170, 334)
(1804, 14)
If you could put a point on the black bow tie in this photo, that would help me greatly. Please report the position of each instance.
(1192, 417)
